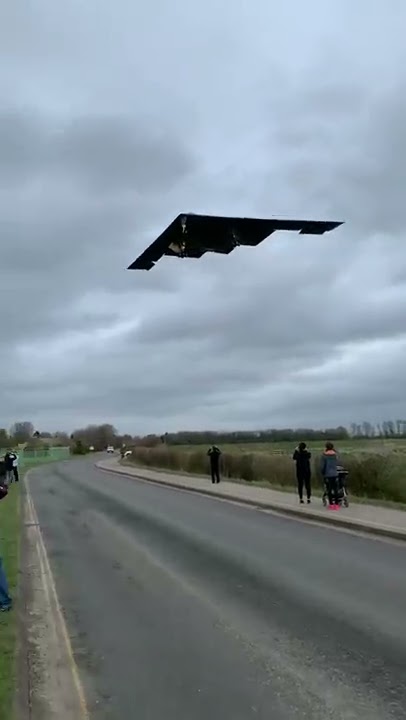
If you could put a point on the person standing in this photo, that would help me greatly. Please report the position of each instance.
(15, 467)
(214, 454)
(302, 458)
(329, 472)
(5, 599)
(9, 459)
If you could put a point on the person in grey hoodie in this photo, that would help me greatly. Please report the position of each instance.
(329, 472)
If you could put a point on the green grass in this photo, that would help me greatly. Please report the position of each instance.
(10, 537)
(10, 524)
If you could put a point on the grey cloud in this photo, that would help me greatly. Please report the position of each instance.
(206, 394)
(360, 180)
(22, 147)
(106, 153)
(287, 311)
(113, 153)
(59, 240)
(104, 142)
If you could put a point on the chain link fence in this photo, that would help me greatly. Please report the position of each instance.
(39, 455)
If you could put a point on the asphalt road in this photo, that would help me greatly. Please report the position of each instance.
(186, 608)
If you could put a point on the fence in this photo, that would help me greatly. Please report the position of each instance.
(41, 455)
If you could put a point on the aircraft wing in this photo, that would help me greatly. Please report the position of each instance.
(193, 235)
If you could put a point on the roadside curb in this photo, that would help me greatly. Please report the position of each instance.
(332, 520)
(22, 706)
(54, 683)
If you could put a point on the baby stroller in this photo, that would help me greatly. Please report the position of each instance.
(342, 494)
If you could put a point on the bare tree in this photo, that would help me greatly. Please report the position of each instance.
(22, 431)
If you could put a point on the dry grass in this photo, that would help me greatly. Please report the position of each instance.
(375, 475)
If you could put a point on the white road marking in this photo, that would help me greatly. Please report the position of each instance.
(65, 673)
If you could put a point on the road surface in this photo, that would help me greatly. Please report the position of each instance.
(184, 607)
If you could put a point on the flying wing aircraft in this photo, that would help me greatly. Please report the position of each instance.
(191, 236)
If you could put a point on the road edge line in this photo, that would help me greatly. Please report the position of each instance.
(41, 549)
(331, 521)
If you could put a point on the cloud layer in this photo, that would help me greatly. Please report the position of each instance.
(111, 125)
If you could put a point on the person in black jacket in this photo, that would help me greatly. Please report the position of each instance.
(214, 454)
(11, 461)
(302, 457)
(5, 599)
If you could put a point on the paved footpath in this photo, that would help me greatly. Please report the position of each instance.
(367, 518)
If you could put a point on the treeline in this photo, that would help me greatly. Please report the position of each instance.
(24, 433)
(366, 430)
(209, 437)
(100, 436)
(96, 436)
(386, 429)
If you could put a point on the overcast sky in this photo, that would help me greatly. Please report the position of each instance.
(115, 117)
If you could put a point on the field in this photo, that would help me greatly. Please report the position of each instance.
(377, 467)
(378, 445)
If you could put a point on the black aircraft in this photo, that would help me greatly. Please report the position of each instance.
(191, 236)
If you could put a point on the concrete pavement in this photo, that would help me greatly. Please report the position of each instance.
(361, 517)
(183, 607)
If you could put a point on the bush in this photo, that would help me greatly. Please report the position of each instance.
(78, 448)
(381, 477)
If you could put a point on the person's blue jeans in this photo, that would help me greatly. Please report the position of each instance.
(5, 599)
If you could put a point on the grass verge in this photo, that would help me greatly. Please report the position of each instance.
(317, 489)
(10, 548)
(10, 527)
(380, 478)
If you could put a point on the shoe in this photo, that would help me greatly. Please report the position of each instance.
(6, 608)
(308, 501)
(331, 507)
(301, 502)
